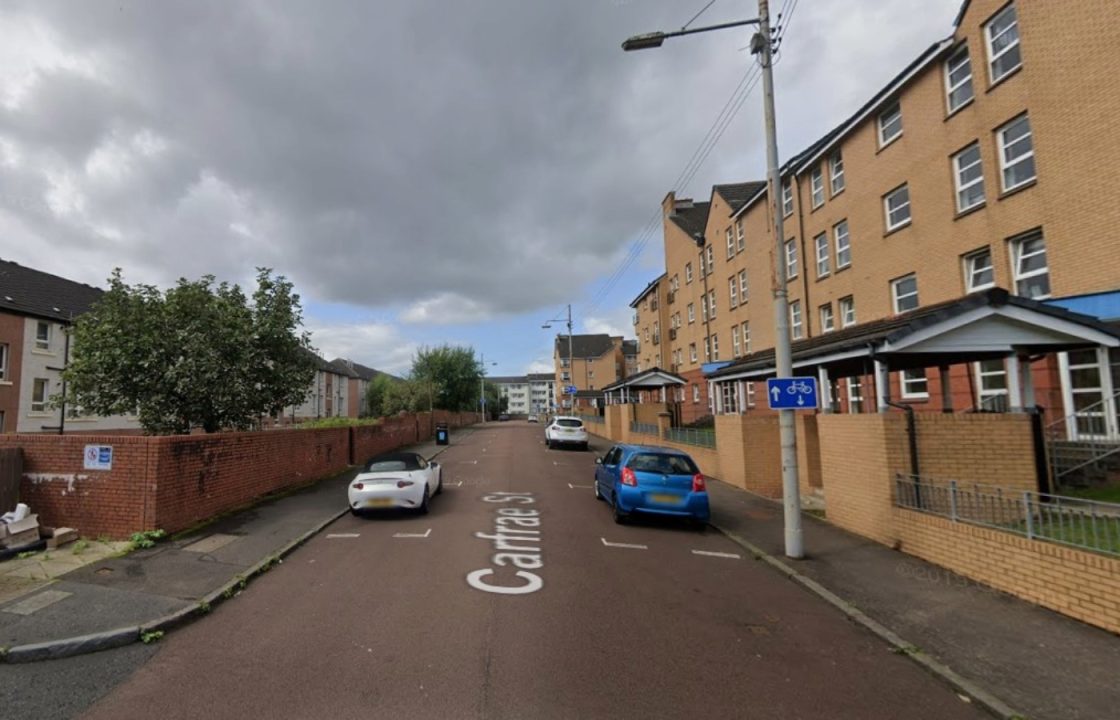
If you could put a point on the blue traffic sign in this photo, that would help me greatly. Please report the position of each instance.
(571, 389)
(797, 393)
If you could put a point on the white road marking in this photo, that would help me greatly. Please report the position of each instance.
(458, 484)
(413, 535)
(624, 545)
(733, 556)
(344, 535)
(583, 487)
(468, 462)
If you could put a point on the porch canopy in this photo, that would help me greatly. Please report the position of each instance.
(653, 380)
(989, 325)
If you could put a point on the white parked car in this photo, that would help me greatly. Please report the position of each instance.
(395, 480)
(564, 430)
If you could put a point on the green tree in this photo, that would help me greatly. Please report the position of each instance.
(376, 395)
(405, 396)
(198, 355)
(449, 375)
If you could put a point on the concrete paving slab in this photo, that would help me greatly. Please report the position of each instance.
(210, 543)
(176, 574)
(36, 602)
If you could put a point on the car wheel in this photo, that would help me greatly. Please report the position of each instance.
(423, 509)
(619, 516)
(356, 512)
(584, 447)
(439, 482)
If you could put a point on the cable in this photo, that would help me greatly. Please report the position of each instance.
(702, 11)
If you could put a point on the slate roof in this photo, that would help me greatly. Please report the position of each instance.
(692, 220)
(737, 194)
(645, 291)
(584, 346)
(508, 379)
(542, 377)
(32, 292)
(637, 381)
(361, 371)
(629, 347)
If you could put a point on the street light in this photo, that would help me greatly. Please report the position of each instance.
(762, 45)
(482, 387)
(571, 370)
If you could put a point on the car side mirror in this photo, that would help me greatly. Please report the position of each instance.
(598, 461)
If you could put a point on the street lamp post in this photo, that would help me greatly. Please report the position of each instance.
(482, 387)
(571, 370)
(761, 44)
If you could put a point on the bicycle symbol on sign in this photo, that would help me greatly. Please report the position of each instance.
(799, 387)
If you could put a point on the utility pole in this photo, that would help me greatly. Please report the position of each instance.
(571, 369)
(791, 493)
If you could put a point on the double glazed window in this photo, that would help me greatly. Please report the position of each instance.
(743, 286)
(978, 271)
(896, 205)
(787, 198)
(823, 259)
(1002, 37)
(968, 175)
(42, 336)
(39, 395)
(843, 244)
(904, 291)
(1032, 275)
(1016, 153)
(3, 363)
(914, 383)
(847, 311)
(816, 186)
(890, 124)
(795, 326)
(836, 172)
(828, 323)
(958, 79)
(791, 259)
(732, 293)
(739, 236)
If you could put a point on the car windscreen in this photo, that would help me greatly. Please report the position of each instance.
(397, 464)
(663, 464)
(568, 422)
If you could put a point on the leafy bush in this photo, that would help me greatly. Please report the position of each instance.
(336, 422)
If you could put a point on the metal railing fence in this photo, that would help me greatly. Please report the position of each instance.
(701, 437)
(645, 428)
(1085, 524)
(598, 419)
(1084, 438)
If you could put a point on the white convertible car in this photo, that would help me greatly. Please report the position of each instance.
(395, 480)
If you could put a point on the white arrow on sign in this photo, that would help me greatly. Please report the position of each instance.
(800, 399)
(776, 393)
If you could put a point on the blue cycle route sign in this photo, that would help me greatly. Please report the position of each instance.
(796, 393)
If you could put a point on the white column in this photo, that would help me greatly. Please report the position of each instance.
(882, 385)
(1029, 400)
(1108, 393)
(1014, 384)
(741, 393)
(718, 398)
(662, 393)
(825, 388)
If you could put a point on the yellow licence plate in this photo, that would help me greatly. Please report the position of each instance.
(670, 499)
(379, 502)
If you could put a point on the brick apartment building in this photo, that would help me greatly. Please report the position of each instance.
(985, 163)
(596, 362)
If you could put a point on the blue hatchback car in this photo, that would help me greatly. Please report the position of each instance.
(653, 480)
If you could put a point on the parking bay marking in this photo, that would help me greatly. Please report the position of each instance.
(581, 487)
(624, 545)
(413, 535)
(709, 553)
(343, 535)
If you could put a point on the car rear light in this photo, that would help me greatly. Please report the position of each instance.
(404, 483)
(628, 477)
(358, 486)
(698, 484)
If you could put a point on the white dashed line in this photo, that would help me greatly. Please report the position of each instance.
(413, 535)
(624, 545)
(344, 535)
(582, 487)
(732, 556)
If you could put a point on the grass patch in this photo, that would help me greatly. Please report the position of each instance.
(1102, 493)
(335, 422)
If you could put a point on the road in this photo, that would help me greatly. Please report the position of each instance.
(375, 618)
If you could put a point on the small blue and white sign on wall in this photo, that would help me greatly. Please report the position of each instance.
(796, 393)
(98, 457)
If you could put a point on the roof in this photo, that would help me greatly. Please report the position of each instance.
(737, 194)
(589, 394)
(34, 292)
(652, 378)
(891, 331)
(542, 377)
(693, 220)
(508, 379)
(361, 371)
(648, 288)
(584, 346)
(629, 348)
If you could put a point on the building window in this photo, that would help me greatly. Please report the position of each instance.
(1002, 36)
(795, 326)
(565, 377)
(746, 338)
(787, 198)
(711, 261)
(823, 261)
(750, 394)
(702, 271)
(1032, 275)
(704, 308)
(914, 383)
(715, 346)
(855, 395)
(692, 352)
(991, 386)
(905, 293)
(740, 237)
(695, 393)
(836, 172)
(890, 124)
(847, 311)
(816, 186)
(736, 348)
(958, 79)
(39, 395)
(732, 293)
(3, 365)
(743, 286)
(896, 204)
(730, 399)
(791, 259)
(843, 244)
(688, 272)
(712, 304)
(43, 336)
(707, 350)
(1016, 153)
(978, 271)
(828, 323)
(968, 174)
(691, 313)
(730, 244)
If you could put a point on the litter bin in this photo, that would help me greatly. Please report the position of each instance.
(442, 437)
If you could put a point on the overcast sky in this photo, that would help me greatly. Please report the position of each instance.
(423, 171)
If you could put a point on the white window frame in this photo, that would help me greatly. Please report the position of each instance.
(746, 337)
(962, 185)
(1012, 46)
(732, 293)
(691, 312)
(1006, 164)
(695, 393)
(687, 273)
(855, 395)
(743, 297)
(896, 297)
(906, 383)
(711, 304)
(816, 187)
(692, 352)
(787, 198)
(971, 270)
(740, 236)
(707, 350)
(42, 340)
(824, 260)
(791, 259)
(843, 251)
(885, 120)
(983, 393)
(735, 347)
(888, 210)
(952, 64)
(828, 320)
(1017, 257)
(847, 310)
(39, 399)
(3, 365)
(836, 173)
(730, 244)
(715, 346)
(750, 393)
(710, 253)
(796, 328)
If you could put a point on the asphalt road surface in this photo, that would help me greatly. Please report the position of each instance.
(376, 618)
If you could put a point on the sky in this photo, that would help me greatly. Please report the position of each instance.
(424, 172)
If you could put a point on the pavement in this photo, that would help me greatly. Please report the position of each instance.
(1007, 656)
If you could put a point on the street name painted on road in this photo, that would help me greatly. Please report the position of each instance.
(514, 538)
(797, 393)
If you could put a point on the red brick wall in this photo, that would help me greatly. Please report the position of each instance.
(11, 334)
